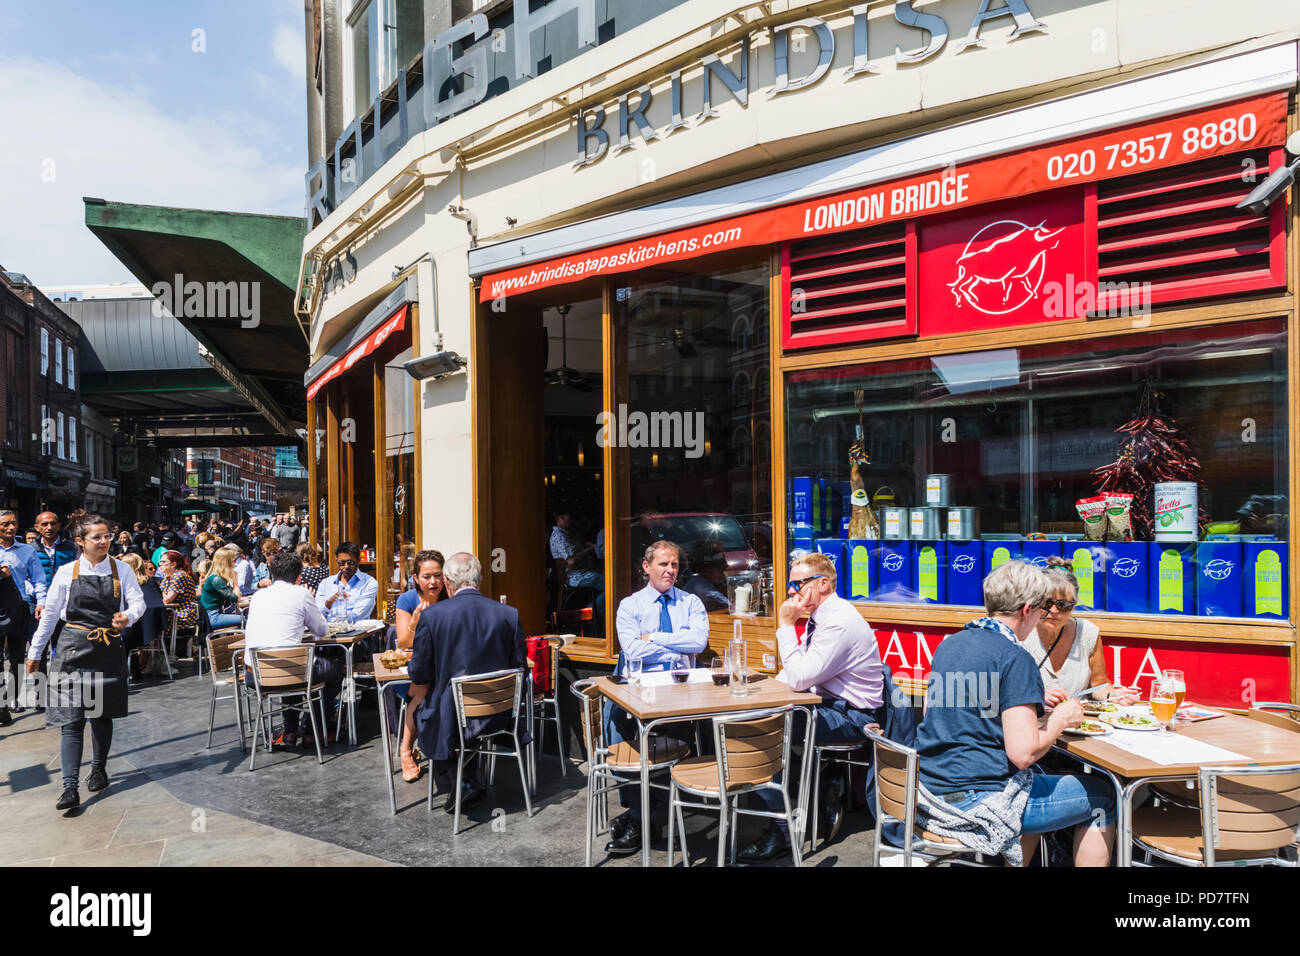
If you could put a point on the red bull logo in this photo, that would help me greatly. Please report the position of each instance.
(1002, 266)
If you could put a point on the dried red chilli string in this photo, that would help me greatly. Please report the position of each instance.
(1154, 451)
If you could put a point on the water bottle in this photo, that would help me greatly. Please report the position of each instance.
(738, 663)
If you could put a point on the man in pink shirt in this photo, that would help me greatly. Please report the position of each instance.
(836, 657)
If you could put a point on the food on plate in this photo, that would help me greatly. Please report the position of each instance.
(1131, 721)
(1094, 708)
(1089, 728)
(394, 659)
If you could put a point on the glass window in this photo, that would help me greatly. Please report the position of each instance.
(691, 425)
(59, 436)
(58, 362)
(47, 429)
(399, 472)
(72, 378)
(978, 458)
(72, 438)
(363, 28)
(45, 352)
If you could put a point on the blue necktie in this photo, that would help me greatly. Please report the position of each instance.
(665, 622)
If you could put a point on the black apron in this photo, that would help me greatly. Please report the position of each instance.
(89, 665)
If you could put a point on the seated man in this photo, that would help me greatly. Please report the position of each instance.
(277, 617)
(351, 593)
(465, 634)
(981, 737)
(836, 657)
(577, 558)
(660, 625)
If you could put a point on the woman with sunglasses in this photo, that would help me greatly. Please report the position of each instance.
(1068, 649)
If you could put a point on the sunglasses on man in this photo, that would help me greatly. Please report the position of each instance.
(797, 586)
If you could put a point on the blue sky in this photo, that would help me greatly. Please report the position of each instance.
(112, 99)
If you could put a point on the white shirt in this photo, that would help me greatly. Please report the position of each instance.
(640, 613)
(278, 615)
(245, 572)
(56, 601)
(840, 658)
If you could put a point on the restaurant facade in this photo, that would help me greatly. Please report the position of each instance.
(923, 289)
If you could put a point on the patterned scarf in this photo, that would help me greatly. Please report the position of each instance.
(996, 626)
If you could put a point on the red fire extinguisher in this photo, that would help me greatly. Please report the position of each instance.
(539, 655)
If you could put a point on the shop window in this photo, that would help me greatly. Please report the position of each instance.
(1177, 232)
(695, 479)
(979, 458)
(850, 287)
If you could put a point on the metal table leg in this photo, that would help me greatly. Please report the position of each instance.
(643, 739)
(388, 756)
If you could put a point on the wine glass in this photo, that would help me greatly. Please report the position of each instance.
(718, 671)
(1164, 703)
(1180, 684)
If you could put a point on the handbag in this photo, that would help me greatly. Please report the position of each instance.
(13, 610)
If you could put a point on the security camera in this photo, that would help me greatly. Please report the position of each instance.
(1270, 190)
(434, 366)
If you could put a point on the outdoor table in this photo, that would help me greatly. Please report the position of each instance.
(1261, 743)
(387, 677)
(674, 703)
(348, 644)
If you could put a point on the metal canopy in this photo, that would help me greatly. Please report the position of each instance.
(264, 363)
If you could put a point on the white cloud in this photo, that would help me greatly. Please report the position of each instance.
(100, 140)
(289, 50)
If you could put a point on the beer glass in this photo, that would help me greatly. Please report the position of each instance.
(1164, 703)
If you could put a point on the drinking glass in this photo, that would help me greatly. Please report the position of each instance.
(1180, 684)
(718, 671)
(634, 672)
(738, 669)
(1164, 703)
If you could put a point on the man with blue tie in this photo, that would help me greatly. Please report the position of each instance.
(660, 626)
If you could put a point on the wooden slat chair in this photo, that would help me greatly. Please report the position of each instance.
(1252, 813)
(896, 786)
(281, 674)
(486, 695)
(612, 768)
(226, 673)
(540, 715)
(751, 748)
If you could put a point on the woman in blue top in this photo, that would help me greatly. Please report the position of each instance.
(429, 589)
(982, 735)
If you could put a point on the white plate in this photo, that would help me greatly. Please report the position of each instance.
(1111, 719)
(1080, 732)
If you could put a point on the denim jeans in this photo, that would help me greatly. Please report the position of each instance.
(217, 619)
(72, 746)
(1059, 801)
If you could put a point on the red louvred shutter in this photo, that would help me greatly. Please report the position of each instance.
(1178, 229)
(850, 287)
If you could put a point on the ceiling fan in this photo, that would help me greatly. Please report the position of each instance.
(564, 375)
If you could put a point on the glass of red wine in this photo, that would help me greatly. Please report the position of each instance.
(718, 671)
(681, 671)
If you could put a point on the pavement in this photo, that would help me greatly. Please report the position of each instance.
(172, 801)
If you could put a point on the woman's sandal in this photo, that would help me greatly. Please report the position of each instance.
(411, 769)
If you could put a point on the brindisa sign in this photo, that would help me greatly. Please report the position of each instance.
(1218, 675)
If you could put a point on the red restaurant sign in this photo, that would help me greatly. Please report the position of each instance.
(1218, 675)
(1125, 151)
(359, 351)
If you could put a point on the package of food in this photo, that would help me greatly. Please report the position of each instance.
(1118, 505)
(1093, 513)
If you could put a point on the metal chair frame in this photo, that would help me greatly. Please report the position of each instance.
(728, 799)
(930, 850)
(828, 753)
(306, 690)
(237, 695)
(485, 744)
(199, 638)
(602, 778)
(1207, 781)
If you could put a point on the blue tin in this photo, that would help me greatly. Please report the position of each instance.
(966, 572)
(833, 548)
(862, 567)
(1172, 573)
(1267, 579)
(998, 552)
(801, 505)
(1128, 584)
(894, 582)
(1037, 552)
(1220, 579)
(930, 571)
(1088, 561)
(845, 499)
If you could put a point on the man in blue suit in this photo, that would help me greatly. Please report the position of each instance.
(469, 634)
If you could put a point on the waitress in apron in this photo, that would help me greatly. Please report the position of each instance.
(97, 597)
